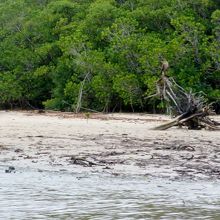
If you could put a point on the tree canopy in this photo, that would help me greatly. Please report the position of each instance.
(105, 53)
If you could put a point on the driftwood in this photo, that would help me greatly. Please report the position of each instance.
(82, 161)
(188, 109)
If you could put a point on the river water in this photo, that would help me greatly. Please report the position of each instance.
(30, 194)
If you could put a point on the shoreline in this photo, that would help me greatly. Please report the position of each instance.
(114, 144)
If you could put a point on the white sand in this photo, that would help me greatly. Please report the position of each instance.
(117, 143)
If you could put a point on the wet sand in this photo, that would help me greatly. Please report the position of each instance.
(115, 144)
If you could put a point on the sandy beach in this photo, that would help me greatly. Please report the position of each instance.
(115, 144)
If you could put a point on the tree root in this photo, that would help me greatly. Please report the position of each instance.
(190, 110)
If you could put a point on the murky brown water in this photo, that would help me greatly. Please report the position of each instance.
(29, 194)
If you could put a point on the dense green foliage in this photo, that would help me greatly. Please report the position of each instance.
(108, 52)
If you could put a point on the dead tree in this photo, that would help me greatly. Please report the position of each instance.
(79, 100)
(189, 109)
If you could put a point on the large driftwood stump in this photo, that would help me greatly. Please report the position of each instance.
(189, 109)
